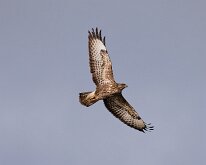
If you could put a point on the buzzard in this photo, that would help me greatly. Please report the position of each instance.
(106, 88)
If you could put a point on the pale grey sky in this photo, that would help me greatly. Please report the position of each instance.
(158, 48)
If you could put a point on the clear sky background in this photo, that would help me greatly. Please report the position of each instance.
(158, 48)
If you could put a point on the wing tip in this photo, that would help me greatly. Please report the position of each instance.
(96, 34)
(148, 128)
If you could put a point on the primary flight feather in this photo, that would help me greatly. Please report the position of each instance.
(106, 88)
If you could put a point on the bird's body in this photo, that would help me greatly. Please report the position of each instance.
(106, 88)
(101, 92)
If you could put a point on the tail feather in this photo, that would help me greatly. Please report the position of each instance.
(87, 98)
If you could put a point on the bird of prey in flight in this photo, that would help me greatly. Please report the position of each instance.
(106, 87)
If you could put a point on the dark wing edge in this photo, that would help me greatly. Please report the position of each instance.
(97, 34)
(122, 110)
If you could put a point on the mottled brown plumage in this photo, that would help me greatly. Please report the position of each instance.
(106, 88)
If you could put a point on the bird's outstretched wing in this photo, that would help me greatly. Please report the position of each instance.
(100, 63)
(121, 109)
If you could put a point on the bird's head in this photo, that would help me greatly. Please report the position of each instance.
(122, 86)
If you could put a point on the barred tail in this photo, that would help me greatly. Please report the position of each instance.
(87, 98)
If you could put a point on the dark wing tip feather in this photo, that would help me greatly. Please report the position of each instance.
(104, 41)
(148, 127)
(100, 35)
(96, 34)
